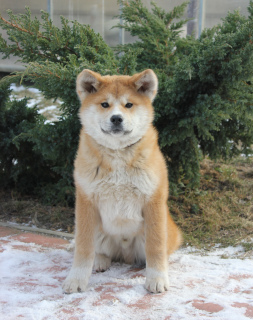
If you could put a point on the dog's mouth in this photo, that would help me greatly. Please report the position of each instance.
(116, 131)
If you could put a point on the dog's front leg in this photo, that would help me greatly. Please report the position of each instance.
(80, 272)
(155, 215)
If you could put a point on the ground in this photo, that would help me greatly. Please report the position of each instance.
(203, 285)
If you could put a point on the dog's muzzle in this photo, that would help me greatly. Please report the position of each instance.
(116, 126)
(116, 123)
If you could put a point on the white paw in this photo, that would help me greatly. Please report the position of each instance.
(101, 263)
(157, 285)
(156, 281)
(76, 281)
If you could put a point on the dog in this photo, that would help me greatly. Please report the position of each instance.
(121, 182)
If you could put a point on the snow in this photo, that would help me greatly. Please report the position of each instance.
(31, 278)
(50, 108)
(36, 98)
(21, 88)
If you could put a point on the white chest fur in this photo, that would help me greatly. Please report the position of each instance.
(120, 195)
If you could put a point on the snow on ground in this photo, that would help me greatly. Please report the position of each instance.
(203, 285)
(22, 88)
(48, 108)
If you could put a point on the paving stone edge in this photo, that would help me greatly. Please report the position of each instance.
(37, 230)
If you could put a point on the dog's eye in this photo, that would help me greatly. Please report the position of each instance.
(129, 105)
(105, 104)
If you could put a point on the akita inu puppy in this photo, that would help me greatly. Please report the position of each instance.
(121, 181)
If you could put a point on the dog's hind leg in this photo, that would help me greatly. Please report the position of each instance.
(101, 263)
(105, 249)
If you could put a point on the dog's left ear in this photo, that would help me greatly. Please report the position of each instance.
(146, 83)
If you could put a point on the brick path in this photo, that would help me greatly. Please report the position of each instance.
(33, 267)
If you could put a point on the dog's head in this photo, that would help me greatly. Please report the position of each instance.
(116, 111)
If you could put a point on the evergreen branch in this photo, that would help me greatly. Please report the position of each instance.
(38, 35)
(16, 26)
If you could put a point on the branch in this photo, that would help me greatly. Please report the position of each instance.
(16, 26)
(21, 29)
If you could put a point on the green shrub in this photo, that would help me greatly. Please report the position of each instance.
(204, 105)
(21, 166)
(55, 56)
(205, 99)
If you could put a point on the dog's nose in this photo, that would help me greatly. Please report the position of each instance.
(116, 119)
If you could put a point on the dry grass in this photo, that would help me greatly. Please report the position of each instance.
(221, 211)
(26, 210)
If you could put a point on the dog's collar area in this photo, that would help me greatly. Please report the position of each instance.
(126, 147)
(132, 144)
(116, 131)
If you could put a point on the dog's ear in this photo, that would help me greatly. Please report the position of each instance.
(146, 83)
(87, 82)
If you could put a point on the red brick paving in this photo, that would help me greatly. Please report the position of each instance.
(204, 306)
(4, 231)
(45, 241)
(248, 307)
(107, 292)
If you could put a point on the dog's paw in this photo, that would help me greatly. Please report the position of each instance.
(156, 281)
(157, 285)
(76, 281)
(101, 263)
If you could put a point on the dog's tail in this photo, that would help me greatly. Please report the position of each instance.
(175, 238)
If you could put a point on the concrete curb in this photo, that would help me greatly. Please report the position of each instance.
(37, 230)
